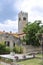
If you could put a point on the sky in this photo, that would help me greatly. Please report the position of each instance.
(9, 10)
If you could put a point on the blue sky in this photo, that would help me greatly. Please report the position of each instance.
(9, 10)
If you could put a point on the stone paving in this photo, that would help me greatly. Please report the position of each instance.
(20, 57)
(3, 63)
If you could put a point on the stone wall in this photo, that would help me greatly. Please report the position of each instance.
(9, 38)
(29, 48)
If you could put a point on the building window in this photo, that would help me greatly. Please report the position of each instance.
(24, 18)
(14, 43)
(8, 43)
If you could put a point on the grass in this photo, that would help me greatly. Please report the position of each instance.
(34, 61)
(39, 55)
(31, 62)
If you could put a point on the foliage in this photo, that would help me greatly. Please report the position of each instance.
(21, 49)
(7, 50)
(31, 29)
(39, 33)
(2, 42)
(18, 49)
(3, 48)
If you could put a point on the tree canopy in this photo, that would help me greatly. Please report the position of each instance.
(31, 29)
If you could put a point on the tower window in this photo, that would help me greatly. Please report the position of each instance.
(24, 18)
(19, 19)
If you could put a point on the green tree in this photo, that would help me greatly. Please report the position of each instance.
(40, 32)
(31, 29)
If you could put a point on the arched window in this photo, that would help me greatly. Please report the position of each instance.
(14, 44)
(7, 43)
(24, 18)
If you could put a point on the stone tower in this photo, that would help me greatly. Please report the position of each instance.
(22, 20)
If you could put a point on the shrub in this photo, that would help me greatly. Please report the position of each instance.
(21, 49)
(7, 50)
(4, 49)
(18, 49)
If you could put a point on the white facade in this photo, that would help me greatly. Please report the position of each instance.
(22, 20)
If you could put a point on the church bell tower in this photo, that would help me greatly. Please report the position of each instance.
(22, 21)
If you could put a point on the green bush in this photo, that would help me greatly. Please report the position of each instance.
(4, 49)
(7, 50)
(21, 49)
(18, 49)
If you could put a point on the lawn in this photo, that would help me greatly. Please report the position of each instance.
(34, 61)
(31, 62)
(39, 55)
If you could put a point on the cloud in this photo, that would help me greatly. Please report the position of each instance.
(33, 7)
(9, 10)
(9, 25)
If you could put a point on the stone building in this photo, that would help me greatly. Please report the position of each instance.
(10, 39)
